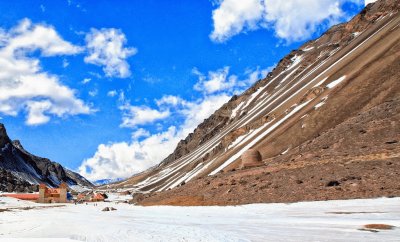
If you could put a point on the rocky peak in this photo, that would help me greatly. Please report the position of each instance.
(17, 144)
(4, 139)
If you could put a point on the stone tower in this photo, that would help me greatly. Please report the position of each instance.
(251, 158)
(63, 192)
(42, 191)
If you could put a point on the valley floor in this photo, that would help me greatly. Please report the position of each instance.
(305, 221)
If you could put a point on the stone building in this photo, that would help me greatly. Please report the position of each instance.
(53, 195)
(251, 158)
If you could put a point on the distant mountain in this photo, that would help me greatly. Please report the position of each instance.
(106, 181)
(22, 171)
(325, 122)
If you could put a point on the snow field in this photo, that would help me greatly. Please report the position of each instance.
(339, 220)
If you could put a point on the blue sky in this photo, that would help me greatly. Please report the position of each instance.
(108, 88)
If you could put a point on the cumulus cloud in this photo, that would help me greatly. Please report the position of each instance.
(123, 159)
(215, 81)
(24, 86)
(169, 100)
(106, 48)
(291, 20)
(139, 115)
(235, 16)
(140, 133)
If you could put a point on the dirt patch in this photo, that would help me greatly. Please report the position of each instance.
(379, 226)
(375, 228)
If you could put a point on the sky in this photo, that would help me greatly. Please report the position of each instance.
(108, 88)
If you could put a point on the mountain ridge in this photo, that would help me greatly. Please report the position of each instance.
(22, 171)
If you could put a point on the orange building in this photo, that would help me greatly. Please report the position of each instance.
(97, 197)
(90, 197)
(53, 195)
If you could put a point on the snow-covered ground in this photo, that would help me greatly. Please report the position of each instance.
(306, 221)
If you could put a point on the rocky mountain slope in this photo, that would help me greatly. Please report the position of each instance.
(21, 171)
(325, 121)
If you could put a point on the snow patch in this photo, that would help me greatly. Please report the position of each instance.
(236, 141)
(319, 105)
(295, 61)
(336, 82)
(308, 48)
(235, 111)
(321, 82)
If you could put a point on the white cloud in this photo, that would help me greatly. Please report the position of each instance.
(27, 37)
(215, 81)
(123, 159)
(65, 63)
(195, 112)
(36, 111)
(86, 80)
(93, 93)
(292, 20)
(235, 16)
(106, 47)
(24, 86)
(169, 100)
(139, 115)
(112, 93)
(140, 133)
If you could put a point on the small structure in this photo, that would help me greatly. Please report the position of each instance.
(90, 197)
(97, 197)
(53, 195)
(251, 158)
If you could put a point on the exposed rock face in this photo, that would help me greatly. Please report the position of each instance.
(314, 119)
(11, 183)
(22, 171)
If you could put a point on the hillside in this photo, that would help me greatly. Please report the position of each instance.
(21, 171)
(325, 121)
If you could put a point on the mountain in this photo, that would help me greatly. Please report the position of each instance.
(102, 182)
(325, 122)
(21, 171)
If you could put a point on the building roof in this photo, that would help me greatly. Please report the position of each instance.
(24, 196)
(98, 196)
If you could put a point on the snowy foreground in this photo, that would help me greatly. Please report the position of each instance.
(306, 221)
